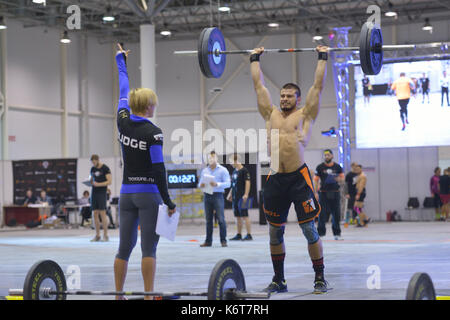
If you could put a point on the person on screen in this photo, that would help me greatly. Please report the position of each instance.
(414, 89)
(402, 87)
(367, 90)
(445, 83)
(425, 85)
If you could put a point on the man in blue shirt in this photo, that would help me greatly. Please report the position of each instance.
(215, 201)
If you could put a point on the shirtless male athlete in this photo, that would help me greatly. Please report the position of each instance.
(361, 181)
(290, 180)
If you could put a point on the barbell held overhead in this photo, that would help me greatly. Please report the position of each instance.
(212, 52)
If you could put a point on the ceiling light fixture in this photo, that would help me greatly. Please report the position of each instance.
(390, 12)
(224, 9)
(317, 36)
(165, 33)
(427, 26)
(108, 17)
(2, 24)
(65, 38)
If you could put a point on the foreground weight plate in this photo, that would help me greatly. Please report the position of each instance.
(420, 287)
(227, 274)
(370, 49)
(44, 274)
(211, 65)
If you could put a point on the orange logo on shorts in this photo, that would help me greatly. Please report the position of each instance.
(270, 213)
(309, 206)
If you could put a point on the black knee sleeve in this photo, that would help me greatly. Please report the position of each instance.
(276, 235)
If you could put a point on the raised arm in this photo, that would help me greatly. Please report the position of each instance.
(264, 100)
(312, 104)
(124, 84)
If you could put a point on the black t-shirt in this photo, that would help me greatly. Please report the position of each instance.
(327, 175)
(31, 200)
(365, 83)
(238, 178)
(350, 180)
(424, 82)
(444, 182)
(99, 175)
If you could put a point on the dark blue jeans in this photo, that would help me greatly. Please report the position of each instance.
(330, 203)
(213, 202)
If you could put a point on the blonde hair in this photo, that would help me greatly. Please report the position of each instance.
(139, 99)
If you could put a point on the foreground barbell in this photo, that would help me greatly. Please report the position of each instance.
(212, 51)
(46, 281)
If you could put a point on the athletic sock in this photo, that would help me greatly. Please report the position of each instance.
(318, 267)
(278, 266)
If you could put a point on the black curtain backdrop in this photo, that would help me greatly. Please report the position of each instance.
(56, 176)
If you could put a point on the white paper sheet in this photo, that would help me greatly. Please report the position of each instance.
(207, 179)
(167, 226)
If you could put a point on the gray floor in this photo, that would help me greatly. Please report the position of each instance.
(397, 249)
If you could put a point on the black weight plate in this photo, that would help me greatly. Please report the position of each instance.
(420, 287)
(44, 274)
(199, 52)
(370, 38)
(227, 274)
(212, 66)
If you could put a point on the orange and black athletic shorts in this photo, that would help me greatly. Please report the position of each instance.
(283, 189)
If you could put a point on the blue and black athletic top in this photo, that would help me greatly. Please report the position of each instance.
(141, 142)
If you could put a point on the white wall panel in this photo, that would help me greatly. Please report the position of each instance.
(33, 66)
(100, 77)
(37, 135)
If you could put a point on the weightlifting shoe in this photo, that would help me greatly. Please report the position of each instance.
(237, 237)
(320, 286)
(280, 286)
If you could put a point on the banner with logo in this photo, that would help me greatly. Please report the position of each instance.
(57, 176)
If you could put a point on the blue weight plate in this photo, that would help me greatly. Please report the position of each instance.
(371, 60)
(212, 66)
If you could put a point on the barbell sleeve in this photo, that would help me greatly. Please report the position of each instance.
(15, 292)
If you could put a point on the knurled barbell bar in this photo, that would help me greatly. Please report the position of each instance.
(46, 281)
(212, 52)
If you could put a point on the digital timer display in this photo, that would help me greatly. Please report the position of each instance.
(180, 179)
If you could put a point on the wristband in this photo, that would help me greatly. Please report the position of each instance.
(254, 57)
(323, 55)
